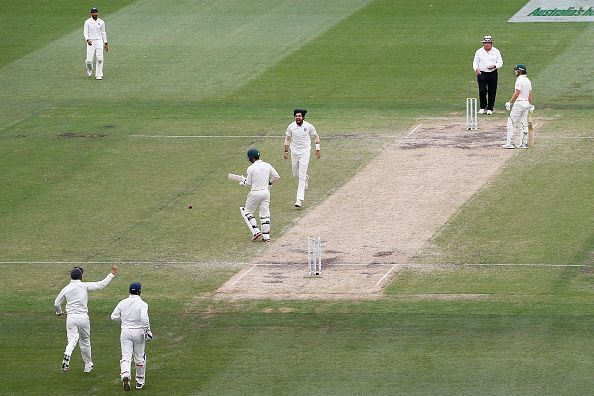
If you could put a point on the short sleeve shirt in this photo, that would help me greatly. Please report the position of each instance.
(524, 85)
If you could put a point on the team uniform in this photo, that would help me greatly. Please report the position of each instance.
(135, 327)
(260, 176)
(78, 326)
(300, 153)
(94, 30)
(518, 117)
(487, 80)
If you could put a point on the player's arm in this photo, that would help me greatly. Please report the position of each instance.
(286, 143)
(499, 63)
(86, 33)
(58, 302)
(117, 313)
(317, 141)
(103, 283)
(104, 37)
(274, 176)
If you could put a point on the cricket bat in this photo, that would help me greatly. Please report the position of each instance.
(234, 177)
(530, 131)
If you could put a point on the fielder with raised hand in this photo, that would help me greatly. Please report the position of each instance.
(298, 138)
(522, 104)
(261, 176)
(132, 312)
(78, 326)
(96, 38)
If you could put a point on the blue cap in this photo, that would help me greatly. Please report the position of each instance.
(135, 288)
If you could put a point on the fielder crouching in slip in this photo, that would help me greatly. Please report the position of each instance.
(132, 312)
(261, 176)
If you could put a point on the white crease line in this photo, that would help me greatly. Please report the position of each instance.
(413, 131)
(244, 274)
(379, 282)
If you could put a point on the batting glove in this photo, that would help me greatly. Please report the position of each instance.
(532, 109)
(242, 182)
(507, 105)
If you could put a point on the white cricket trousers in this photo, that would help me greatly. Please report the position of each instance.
(78, 330)
(132, 342)
(518, 121)
(95, 49)
(259, 199)
(299, 165)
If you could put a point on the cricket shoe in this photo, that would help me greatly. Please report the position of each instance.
(98, 78)
(256, 236)
(298, 203)
(508, 146)
(523, 146)
(482, 111)
(65, 363)
(126, 383)
(139, 386)
(89, 367)
(489, 112)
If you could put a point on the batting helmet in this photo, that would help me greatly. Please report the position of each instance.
(521, 67)
(135, 288)
(253, 153)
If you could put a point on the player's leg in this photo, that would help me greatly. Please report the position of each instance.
(127, 345)
(251, 204)
(491, 90)
(303, 166)
(99, 53)
(481, 79)
(72, 336)
(265, 217)
(84, 332)
(523, 124)
(139, 359)
(89, 59)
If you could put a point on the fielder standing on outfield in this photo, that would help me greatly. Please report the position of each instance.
(522, 104)
(487, 60)
(96, 37)
(261, 176)
(132, 312)
(298, 138)
(78, 326)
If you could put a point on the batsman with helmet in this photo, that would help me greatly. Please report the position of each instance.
(521, 101)
(261, 176)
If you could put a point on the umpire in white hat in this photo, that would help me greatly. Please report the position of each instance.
(487, 60)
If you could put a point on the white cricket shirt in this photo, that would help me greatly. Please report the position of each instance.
(524, 85)
(132, 312)
(76, 295)
(95, 30)
(300, 136)
(483, 59)
(259, 174)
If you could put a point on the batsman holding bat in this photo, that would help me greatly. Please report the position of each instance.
(261, 176)
(522, 105)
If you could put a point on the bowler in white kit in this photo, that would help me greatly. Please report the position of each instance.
(78, 326)
(96, 38)
(132, 312)
(298, 138)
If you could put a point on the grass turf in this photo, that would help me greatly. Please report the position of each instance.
(78, 184)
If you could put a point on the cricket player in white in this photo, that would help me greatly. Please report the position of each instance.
(78, 326)
(261, 176)
(132, 312)
(522, 104)
(298, 138)
(96, 37)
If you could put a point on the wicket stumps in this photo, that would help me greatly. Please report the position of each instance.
(471, 114)
(314, 255)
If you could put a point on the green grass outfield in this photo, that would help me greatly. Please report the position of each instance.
(81, 181)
